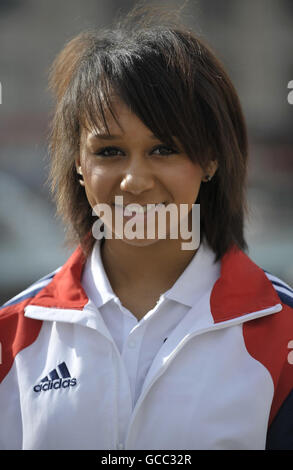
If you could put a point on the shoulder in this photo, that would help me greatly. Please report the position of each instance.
(29, 292)
(284, 291)
(280, 430)
(16, 331)
(61, 288)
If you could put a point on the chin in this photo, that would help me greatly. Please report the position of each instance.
(140, 242)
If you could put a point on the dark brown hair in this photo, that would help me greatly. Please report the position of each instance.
(175, 84)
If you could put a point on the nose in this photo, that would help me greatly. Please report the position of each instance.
(137, 180)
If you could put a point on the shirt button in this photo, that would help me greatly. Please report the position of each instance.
(120, 446)
(131, 343)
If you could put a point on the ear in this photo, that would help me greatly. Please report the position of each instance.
(212, 167)
(210, 170)
(79, 170)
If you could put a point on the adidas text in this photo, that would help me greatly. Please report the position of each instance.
(55, 384)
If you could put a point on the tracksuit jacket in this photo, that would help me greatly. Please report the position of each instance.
(222, 380)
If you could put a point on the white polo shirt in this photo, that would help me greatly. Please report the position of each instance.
(140, 340)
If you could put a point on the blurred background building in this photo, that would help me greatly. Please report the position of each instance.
(253, 38)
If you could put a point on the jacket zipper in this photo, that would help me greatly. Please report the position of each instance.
(216, 326)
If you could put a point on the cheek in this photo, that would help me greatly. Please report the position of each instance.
(186, 184)
(98, 185)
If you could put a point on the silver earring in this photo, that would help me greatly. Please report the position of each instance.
(207, 178)
(80, 176)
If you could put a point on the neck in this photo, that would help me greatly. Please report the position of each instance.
(158, 264)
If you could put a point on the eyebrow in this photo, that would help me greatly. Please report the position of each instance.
(114, 136)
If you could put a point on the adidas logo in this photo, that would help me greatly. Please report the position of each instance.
(55, 381)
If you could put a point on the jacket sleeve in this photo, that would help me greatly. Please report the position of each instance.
(10, 414)
(16, 333)
(280, 433)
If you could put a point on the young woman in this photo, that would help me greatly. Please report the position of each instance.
(137, 343)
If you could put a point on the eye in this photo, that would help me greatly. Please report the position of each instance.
(164, 150)
(108, 152)
(161, 150)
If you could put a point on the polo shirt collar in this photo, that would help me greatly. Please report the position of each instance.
(242, 289)
(197, 278)
(95, 278)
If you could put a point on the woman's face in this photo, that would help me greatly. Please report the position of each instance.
(133, 163)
